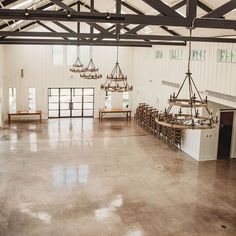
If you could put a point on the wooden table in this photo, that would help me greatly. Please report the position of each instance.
(103, 112)
(24, 113)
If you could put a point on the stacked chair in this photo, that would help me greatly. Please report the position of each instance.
(145, 116)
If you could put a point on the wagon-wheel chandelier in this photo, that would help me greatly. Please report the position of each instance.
(189, 118)
(116, 81)
(90, 71)
(77, 66)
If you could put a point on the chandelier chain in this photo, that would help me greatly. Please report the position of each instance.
(117, 48)
(190, 49)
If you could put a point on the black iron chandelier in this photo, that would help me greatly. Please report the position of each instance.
(77, 66)
(190, 119)
(116, 81)
(90, 71)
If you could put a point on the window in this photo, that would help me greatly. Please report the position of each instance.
(32, 99)
(84, 52)
(108, 100)
(198, 55)
(71, 55)
(57, 54)
(12, 99)
(176, 54)
(125, 100)
(158, 54)
(226, 55)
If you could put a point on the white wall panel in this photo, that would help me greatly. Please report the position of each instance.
(208, 75)
(40, 73)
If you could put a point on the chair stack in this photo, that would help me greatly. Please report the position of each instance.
(145, 116)
(139, 115)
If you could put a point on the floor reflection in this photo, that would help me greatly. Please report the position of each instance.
(33, 142)
(70, 176)
(134, 233)
(43, 216)
(108, 211)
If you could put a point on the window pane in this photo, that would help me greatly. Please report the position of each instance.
(32, 99)
(234, 56)
(88, 112)
(84, 53)
(12, 99)
(88, 105)
(53, 106)
(77, 105)
(159, 54)
(125, 100)
(57, 54)
(77, 91)
(175, 54)
(108, 100)
(88, 98)
(71, 55)
(53, 92)
(88, 91)
(53, 114)
(64, 112)
(76, 113)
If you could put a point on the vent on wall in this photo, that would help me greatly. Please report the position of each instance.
(221, 95)
(171, 84)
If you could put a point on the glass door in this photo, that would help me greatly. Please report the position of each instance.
(88, 102)
(65, 102)
(77, 98)
(70, 102)
(53, 103)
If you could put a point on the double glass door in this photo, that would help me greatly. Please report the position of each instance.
(70, 102)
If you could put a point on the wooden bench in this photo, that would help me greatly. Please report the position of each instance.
(103, 112)
(24, 113)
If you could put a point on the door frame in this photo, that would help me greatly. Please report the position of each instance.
(82, 109)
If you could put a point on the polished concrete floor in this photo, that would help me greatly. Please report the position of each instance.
(81, 177)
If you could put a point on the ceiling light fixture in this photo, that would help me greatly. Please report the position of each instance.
(90, 71)
(108, 15)
(68, 14)
(26, 12)
(77, 66)
(189, 118)
(116, 81)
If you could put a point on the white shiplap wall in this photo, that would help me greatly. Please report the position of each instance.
(40, 73)
(149, 72)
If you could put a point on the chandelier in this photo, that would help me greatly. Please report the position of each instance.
(190, 118)
(116, 81)
(77, 66)
(90, 71)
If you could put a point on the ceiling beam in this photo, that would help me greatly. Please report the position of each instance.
(8, 2)
(139, 27)
(81, 42)
(135, 10)
(62, 5)
(161, 7)
(72, 11)
(191, 11)
(222, 10)
(89, 17)
(84, 36)
(48, 28)
(203, 6)
(118, 11)
(65, 28)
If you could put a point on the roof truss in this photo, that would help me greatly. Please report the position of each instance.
(168, 17)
